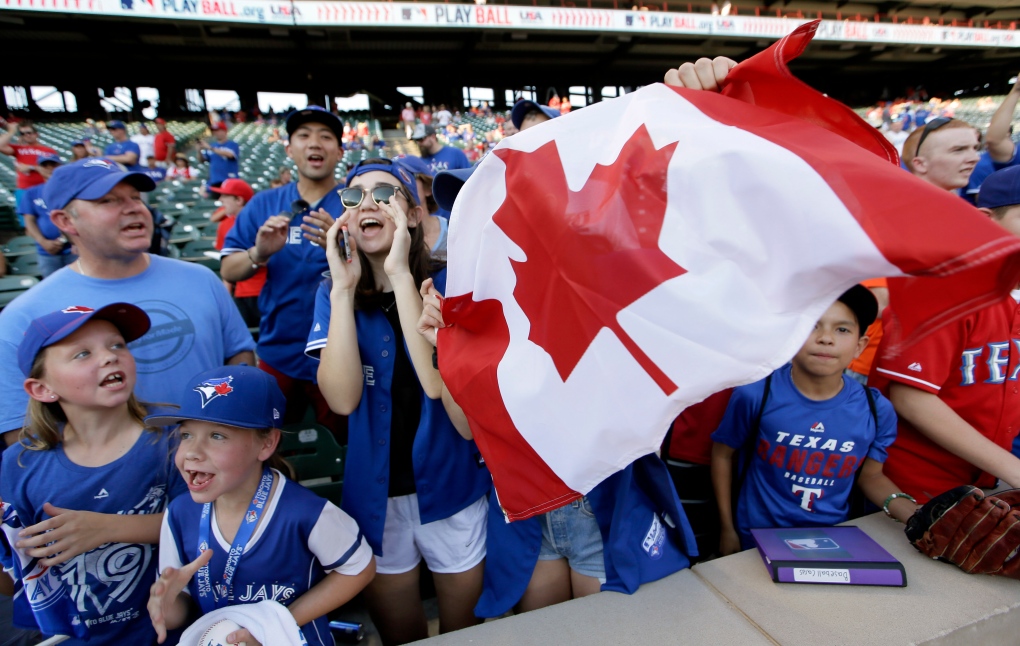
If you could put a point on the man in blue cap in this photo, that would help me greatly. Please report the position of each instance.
(195, 324)
(122, 150)
(435, 154)
(54, 249)
(284, 229)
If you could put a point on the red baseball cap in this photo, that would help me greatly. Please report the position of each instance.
(161, 121)
(220, 126)
(236, 187)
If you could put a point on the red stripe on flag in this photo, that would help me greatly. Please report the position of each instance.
(522, 476)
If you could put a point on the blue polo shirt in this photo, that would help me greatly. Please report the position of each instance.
(293, 273)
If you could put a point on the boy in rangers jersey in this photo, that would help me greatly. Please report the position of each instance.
(247, 534)
(804, 432)
(956, 390)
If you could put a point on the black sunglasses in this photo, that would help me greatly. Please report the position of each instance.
(352, 197)
(929, 128)
(27, 132)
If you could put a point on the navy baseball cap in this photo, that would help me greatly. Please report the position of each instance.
(240, 396)
(524, 106)
(315, 114)
(116, 125)
(416, 165)
(421, 131)
(396, 167)
(90, 179)
(48, 159)
(863, 304)
(447, 184)
(46, 330)
(78, 142)
(1001, 188)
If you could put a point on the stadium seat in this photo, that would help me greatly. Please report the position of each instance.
(197, 250)
(19, 246)
(317, 459)
(26, 265)
(13, 286)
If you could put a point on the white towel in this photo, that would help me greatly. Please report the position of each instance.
(267, 621)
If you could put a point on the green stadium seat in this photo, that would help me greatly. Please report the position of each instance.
(26, 265)
(13, 286)
(317, 459)
(19, 246)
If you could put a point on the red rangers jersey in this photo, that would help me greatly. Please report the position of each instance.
(972, 366)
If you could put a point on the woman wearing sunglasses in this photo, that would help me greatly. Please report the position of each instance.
(416, 488)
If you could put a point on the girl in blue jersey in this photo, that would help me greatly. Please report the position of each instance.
(88, 478)
(247, 534)
(416, 488)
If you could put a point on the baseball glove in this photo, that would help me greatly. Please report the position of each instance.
(978, 533)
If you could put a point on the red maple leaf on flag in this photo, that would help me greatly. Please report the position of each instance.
(590, 253)
(223, 388)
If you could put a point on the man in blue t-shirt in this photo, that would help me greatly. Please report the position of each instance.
(122, 150)
(284, 229)
(1001, 150)
(801, 435)
(54, 250)
(435, 154)
(195, 325)
(222, 155)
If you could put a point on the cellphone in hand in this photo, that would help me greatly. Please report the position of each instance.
(347, 244)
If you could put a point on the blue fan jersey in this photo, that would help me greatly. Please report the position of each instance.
(300, 539)
(110, 584)
(294, 272)
(802, 467)
(448, 158)
(449, 473)
(122, 147)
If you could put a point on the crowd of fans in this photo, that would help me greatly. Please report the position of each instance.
(343, 281)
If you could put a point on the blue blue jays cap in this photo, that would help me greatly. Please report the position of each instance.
(1001, 188)
(240, 396)
(447, 184)
(396, 167)
(115, 125)
(90, 179)
(524, 106)
(48, 159)
(46, 330)
(315, 114)
(416, 165)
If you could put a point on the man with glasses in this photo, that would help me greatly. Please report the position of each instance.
(943, 152)
(25, 154)
(284, 230)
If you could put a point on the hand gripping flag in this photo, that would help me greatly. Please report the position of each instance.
(609, 268)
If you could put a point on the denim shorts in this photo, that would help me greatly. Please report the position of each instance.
(571, 532)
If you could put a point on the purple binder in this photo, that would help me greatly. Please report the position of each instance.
(827, 555)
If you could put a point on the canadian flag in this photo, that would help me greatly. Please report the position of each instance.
(611, 267)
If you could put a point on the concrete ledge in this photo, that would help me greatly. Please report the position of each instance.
(680, 608)
(732, 600)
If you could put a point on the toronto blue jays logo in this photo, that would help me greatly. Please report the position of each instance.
(77, 309)
(251, 516)
(102, 163)
(210, 389)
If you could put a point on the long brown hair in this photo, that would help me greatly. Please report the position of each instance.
(44, 420)
(419, 258)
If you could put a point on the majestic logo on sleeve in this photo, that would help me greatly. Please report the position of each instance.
(818, 428)
(210, 389)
